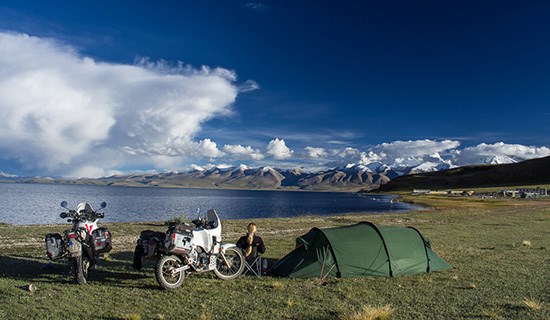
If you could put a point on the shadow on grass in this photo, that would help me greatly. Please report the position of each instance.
(33, 270)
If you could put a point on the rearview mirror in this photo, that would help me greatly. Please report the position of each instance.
(103, 204)
(64, 204)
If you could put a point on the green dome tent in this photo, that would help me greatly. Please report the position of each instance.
(359, 250)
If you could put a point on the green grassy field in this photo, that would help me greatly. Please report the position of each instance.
(499, 249)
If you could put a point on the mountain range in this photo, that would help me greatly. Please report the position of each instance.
(350, 177)
(528, 172)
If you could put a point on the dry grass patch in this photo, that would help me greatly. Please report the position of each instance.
(370, 313)
(277, 285)
(532, 304)
(492, 313)
(205, 314)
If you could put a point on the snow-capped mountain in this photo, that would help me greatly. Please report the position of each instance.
(365, 175)
(493, 160)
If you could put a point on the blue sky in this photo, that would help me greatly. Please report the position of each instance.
(279, 77)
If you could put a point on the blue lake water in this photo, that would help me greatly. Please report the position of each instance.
(39, 203)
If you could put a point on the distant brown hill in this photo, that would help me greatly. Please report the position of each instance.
(530, 172)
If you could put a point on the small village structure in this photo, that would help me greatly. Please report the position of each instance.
(509, 193)
(443, 192)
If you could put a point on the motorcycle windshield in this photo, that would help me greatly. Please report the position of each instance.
(212, 218)
(84, 206)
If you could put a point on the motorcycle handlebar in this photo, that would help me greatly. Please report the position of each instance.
(81, 214)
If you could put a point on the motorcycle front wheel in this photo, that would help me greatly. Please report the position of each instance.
(80, 266)
(232, 266)
(166, 277)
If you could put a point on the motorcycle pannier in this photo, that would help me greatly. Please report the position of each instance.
(149, 241)
(178, 238)
(55, 247)
(101, 240)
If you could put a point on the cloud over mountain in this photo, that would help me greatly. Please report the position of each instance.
(315, 153)
(240, 152)
(431, 155)
(500, 149)
(61, 111)
(278, 149)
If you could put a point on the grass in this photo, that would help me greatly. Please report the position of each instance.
(370, 313)
(532, 304)
(494, 272)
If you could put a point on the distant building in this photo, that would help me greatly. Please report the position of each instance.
(509, 193)
(443, 192)
(532, 192)
(421, 191)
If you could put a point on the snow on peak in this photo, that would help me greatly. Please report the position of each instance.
(267, 169)
(197, 168)
(243, 167)
(7, 175)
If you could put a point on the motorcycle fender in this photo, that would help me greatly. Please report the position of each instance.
(225, 246)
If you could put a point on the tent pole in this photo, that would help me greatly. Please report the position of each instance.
(323, 265)
(425, 249)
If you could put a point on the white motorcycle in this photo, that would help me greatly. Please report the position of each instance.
(187, 249)
(83, 242)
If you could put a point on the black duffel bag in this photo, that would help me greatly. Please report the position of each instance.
(147, 246)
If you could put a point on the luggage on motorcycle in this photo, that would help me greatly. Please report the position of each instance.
(178, 238)
(55, 248)
(101, 239)
(147, 246)
(150, 241)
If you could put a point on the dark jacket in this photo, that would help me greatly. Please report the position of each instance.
(257, 246)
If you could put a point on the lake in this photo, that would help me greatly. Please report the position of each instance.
(39, 203)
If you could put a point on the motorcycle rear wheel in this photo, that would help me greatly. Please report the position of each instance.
(235, 266)
(164, 275)
(80, 266)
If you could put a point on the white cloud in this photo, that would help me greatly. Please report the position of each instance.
(348, 153)
(58, 106)
(414, 148)
(248, 86)
(315, 153)
(515, 151)
(208, 148)
(240, 152)
(278, 149)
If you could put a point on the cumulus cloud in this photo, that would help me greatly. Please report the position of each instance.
(316, 153)
(520, 152)
(240, 152)
(278, 149)
(397, 153)
(58, 106)
(348, 153)
(414, 148)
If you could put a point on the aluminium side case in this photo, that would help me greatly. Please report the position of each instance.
(101, 239)
(55, 246)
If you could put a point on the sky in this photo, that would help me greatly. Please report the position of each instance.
(94, 88)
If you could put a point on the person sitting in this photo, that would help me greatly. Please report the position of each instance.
(251, 244)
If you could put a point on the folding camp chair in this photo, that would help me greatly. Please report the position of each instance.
(254, 266)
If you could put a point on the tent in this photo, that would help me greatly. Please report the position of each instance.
(363, 249)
